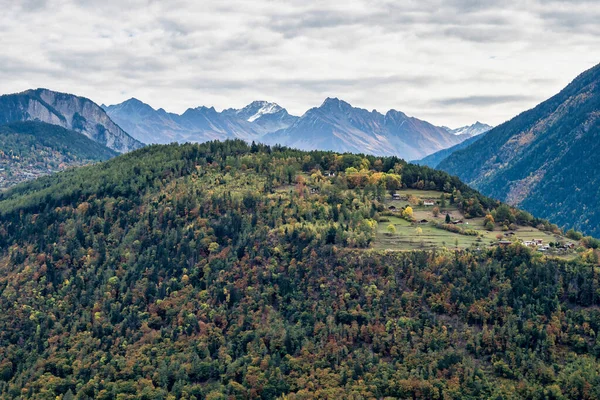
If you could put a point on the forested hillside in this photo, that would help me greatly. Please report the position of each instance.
(545, 159)
(228, 270)
(433, 160)
(32, 149)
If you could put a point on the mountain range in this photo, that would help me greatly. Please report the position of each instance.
(68, 111)
(545, 160)
(335, 125)
(338, 126)
(198, 124)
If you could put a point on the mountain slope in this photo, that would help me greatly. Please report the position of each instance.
(198, 271)
(144, 123)
(68, 111)
(338, 126)
(433, 160)
(32, 149)
(207, 124)
(545, 159)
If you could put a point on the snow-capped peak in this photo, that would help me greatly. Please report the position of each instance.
(257, 109)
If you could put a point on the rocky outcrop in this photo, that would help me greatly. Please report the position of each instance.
(68, 111)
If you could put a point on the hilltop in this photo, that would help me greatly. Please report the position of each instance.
(229, 270)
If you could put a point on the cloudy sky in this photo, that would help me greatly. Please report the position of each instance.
(447, 61)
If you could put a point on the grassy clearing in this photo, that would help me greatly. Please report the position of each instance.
(420, 194)
(285, 189)
(408, 238)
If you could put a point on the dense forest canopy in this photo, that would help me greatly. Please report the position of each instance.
(228, 270)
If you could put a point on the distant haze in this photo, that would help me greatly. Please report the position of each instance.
(448, 62)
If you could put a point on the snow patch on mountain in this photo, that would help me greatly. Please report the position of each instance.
(471, 130)
(255, 110)
(265, 109)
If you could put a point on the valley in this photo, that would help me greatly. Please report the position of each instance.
(29, 150)
(276, 268)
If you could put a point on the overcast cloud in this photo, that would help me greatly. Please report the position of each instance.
(449, 62)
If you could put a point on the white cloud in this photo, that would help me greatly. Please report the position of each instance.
(450, 62)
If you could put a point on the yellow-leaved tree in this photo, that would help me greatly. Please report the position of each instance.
(407, 213)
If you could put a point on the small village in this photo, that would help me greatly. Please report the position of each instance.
(13, 174)
(539, 245)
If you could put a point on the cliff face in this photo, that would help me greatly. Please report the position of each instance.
(68, 111)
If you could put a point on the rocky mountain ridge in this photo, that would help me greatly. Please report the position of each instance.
(335, 125)
(68, 111)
